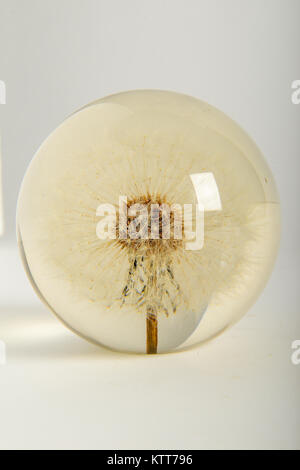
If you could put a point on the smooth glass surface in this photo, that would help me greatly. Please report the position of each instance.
(155, 294)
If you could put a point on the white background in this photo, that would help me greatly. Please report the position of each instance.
(240, 391)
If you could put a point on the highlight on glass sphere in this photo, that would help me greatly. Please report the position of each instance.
(148, 222)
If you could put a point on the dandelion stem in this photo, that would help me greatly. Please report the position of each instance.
(151, 322)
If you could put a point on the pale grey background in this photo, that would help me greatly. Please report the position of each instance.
(239, 55)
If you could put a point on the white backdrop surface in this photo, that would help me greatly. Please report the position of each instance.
(240, 391)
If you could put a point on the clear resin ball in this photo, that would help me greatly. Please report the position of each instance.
(148, 222)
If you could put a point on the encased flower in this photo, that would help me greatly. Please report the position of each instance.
(154, 148)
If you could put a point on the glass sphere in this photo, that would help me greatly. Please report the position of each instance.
(148, 222)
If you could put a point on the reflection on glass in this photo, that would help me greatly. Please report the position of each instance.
(207, 192)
